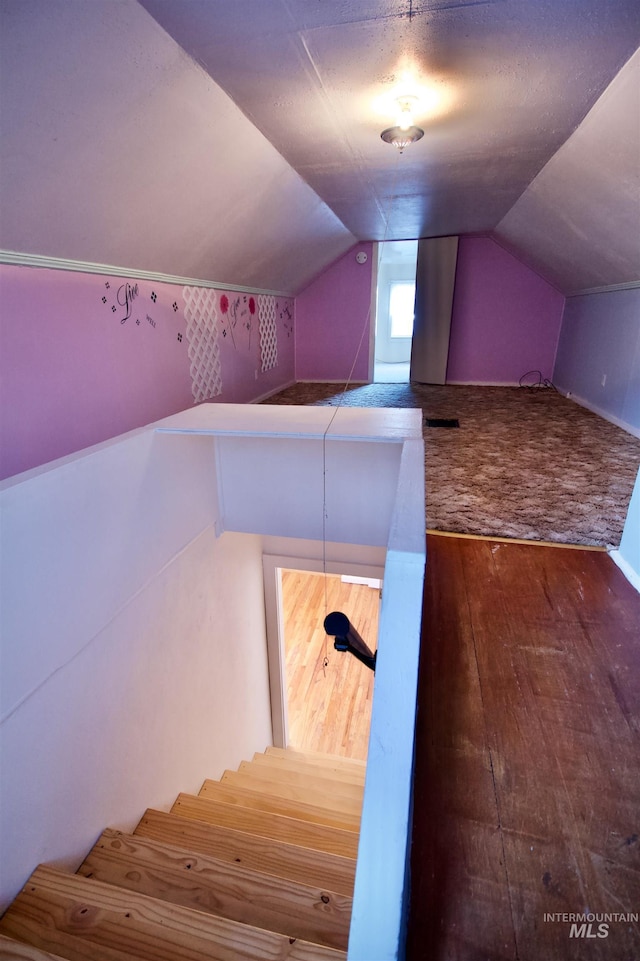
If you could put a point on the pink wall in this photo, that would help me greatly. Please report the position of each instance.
(506, 319)
(80, 365)
(333, 321)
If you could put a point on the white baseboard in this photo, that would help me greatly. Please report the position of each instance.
(482, 383)
(629, 572)
(272, 393)
(333, 380)
(373, 582)
(629, 428)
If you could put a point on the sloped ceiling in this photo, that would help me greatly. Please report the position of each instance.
(578, 222)
(116, 148)
(510, 81)
(240, 142)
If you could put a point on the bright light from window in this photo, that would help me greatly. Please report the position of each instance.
(401, 305)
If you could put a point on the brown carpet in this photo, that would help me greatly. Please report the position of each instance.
(524, 463)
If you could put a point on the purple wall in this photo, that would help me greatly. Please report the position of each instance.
(506, 319)
(333, 321)
(87, 357)
(600, 341)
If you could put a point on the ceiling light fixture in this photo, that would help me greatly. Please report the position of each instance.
(405, 131)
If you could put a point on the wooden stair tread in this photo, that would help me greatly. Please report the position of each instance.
(316, 793)
(318, 759)
(277, 858)
(93, 921)
(310, 782)
(224, 888)
(260, 865)
(259, 800)
(329, 770)
(318, 837)
(19, 951)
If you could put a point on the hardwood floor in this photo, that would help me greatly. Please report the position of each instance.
(527, 789)
(329, 706)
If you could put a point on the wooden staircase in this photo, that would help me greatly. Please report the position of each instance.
(259, 865)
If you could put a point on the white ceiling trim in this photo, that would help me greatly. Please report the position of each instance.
(14, 258)
(631, 285)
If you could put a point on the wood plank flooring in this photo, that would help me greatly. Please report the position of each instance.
(527, 791)
(329, 706)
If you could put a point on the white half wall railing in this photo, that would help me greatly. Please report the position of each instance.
(381, 895)
(121, 560)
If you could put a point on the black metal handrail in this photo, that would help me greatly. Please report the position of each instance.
(346, 638)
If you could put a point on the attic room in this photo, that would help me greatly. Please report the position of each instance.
(196, 204)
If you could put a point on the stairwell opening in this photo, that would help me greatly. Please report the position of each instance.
(321, 698)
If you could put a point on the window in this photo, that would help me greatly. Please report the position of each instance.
(401, 306)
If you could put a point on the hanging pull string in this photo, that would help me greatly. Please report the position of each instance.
(365, 327)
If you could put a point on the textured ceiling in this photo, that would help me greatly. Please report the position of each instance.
(578, 223)
(512, 79)
(116, 148)
(240, 142)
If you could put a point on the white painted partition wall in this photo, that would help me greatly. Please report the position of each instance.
(627, 557)
(134, 649)
(380, 902)
(121, 685)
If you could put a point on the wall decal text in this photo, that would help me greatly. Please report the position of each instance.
(127, 293)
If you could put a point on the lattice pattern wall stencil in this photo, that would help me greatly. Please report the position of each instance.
(268, 332)
(201, 314)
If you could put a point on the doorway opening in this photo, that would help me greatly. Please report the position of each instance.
(329, 694)
(321, 699)
(395, 295)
